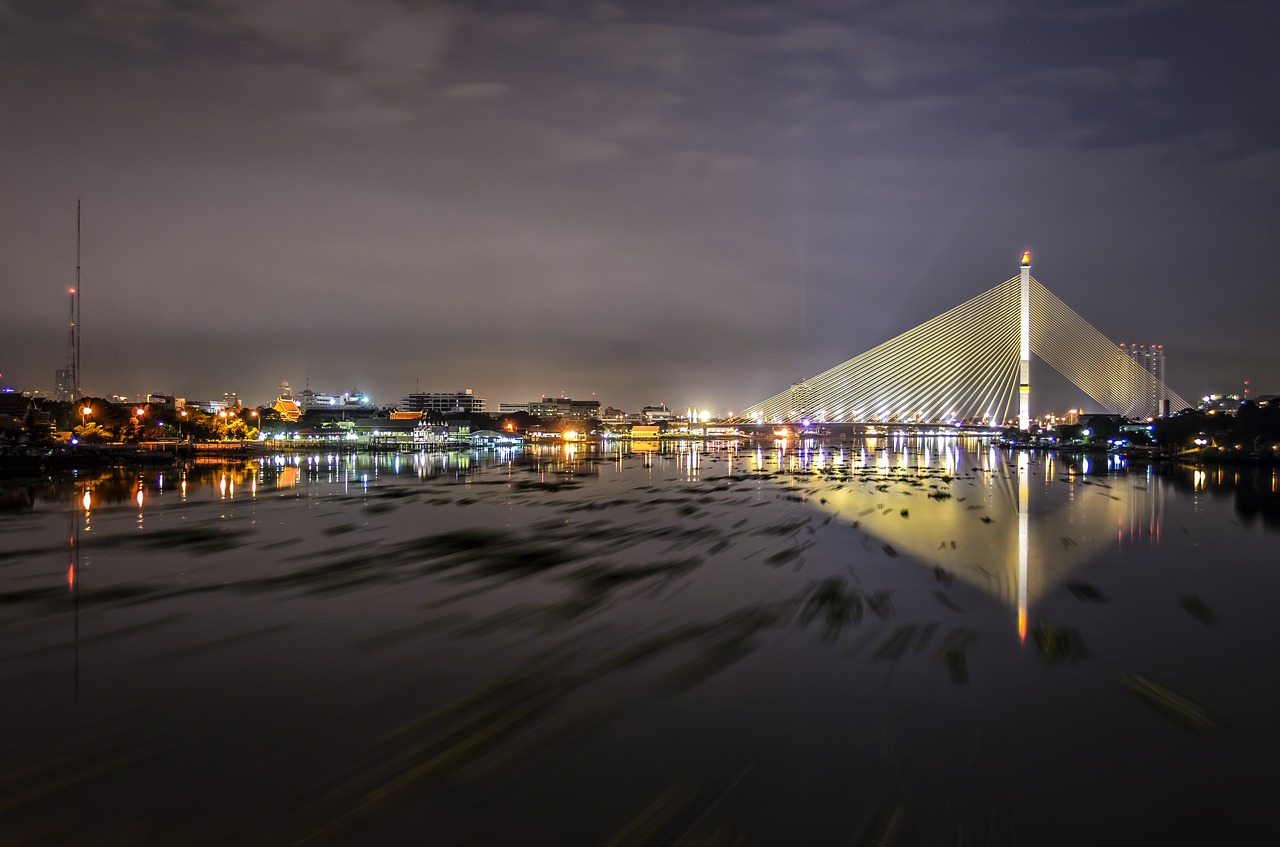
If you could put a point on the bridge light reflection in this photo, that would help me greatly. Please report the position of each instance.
(1023, 539)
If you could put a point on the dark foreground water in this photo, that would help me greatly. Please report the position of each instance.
(918, 642)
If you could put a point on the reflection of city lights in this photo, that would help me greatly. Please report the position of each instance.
(86, 500)
(71, 576)
(139, 497)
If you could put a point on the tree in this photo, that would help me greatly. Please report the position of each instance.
(516, 422)
(131, 429)
(92, 433)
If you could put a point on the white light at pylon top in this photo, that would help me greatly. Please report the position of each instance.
(1026, 258)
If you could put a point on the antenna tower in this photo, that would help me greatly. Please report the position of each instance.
(73, 322)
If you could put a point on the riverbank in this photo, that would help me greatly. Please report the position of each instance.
(32, 457)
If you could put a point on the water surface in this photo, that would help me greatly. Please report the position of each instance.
(913, 642)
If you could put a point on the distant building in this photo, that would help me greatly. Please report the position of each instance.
(444, 403)
(565, 408)
(801, 400)
(63, 392)
(384, 432)
(656, 414)
(1220, 403)
(348, 401)
(286, 405)
(1152, 400)
(287, 409)
(437, 435)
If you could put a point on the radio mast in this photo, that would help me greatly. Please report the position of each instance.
(73, 324)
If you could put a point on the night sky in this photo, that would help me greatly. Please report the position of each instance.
(690, 202)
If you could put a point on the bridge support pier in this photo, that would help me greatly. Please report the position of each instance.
(1024, 367)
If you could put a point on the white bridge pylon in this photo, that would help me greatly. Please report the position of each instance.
(964, 366)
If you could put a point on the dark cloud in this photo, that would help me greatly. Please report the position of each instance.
(698, 203)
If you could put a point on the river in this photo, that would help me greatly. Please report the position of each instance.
(884, 641)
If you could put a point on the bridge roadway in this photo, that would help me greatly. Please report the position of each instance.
(869, 430)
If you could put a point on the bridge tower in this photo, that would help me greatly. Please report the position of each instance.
(1024, 366)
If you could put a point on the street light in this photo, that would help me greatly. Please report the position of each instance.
(85, 410)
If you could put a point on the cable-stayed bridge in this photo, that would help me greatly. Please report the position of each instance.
(971, 365)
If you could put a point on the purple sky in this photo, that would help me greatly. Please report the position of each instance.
(689, 202)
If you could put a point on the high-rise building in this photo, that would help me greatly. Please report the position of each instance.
(801, 400)
(1151, 400)
(64, 385)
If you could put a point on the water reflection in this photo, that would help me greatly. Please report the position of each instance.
(1255, 491)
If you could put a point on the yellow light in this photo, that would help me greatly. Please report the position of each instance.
(87, 410)
(571, 435)
(86, 500)
(1026, 258)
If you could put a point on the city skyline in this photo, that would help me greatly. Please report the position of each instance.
(650, 203)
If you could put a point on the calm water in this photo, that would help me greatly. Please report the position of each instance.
(912, 642)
